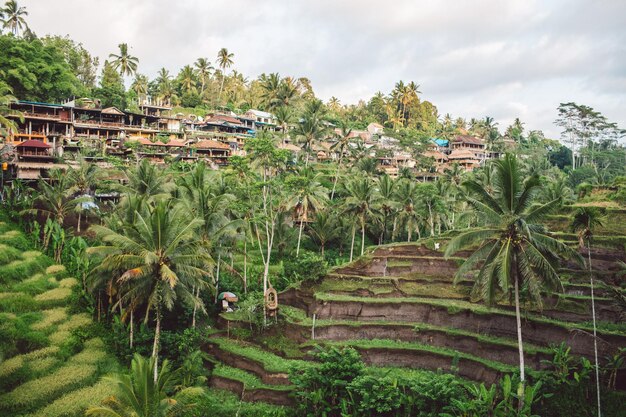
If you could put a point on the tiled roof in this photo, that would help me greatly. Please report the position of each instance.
(210, 144)
(32, 143)
(472, 140)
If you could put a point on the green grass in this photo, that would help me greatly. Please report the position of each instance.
(220, 403)
(250, 381)
(418, 347)
(270, 362)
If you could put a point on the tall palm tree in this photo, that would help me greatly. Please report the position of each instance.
(343, 141)
(187, 79)
(312, 126)
(14, 16)
(162, 257)
(85, 178)
(407, 197)
(224, 60)
(515, 251)
(139, 395)
(147, 180)
(360, 201)
(125, 63)
(584, 221)
(283, 117)
(140, 86)
(203, 68)
(270, 85)
(323, 229)
(55, 198)
(386, 188)
(306, 193)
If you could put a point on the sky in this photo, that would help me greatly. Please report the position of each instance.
(503, 59)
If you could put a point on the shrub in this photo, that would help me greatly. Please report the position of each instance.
(309, 266)
(21, 269)
(34, 285)
(17, 302)
(10, 366)
(54, 297)
(76, 322)
(59, 337)
(15, 239)
(50, 318)
(76, 402)
(68, 282)
(41, 366)
(33, 394)
(8, 254)
(55, 270)
(90, 356)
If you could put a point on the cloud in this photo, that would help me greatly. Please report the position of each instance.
(503, 59)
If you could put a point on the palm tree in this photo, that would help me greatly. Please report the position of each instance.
(224, 60)
(140, 86)
(147, 180)
(6, 99)
(139, 395)
(584, 221)
(513, 248)
(342, 144)
(311, 126)
(162, 259)
(361, 200)
(306, 193)
(85, 179)
(323, 229)
(270, 84)
(14, 16)
(187, 79)
(407, 197)
(387, 204)
(203, 68)
(55, 198)
(125, 63)
(283, 117)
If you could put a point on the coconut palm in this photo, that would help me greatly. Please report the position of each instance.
(584, 221)
(407, 197)
(187, 79)
(270, 85)
(343, 141)
(125, 63)
(306, 193)
(360, 202)
(283, 117)
(162, 258)
(6, 99)
(55, 198)
(85, 178)
(140, 86)
(147, 180)
(224, 60)
(14, 17)
(386, 188)
(139, 395)
(203, 68)
(311, 126)
(323, 229)
(513, 249)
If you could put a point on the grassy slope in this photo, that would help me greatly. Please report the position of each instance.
(44, 372)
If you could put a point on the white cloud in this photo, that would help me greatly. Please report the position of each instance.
(504, 59)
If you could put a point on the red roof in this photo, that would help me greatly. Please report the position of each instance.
(32, 143)
(210, 144)
(217, 118)
(468, 139)
(175, 143)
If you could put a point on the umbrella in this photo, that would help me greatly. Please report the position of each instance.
(228, 296)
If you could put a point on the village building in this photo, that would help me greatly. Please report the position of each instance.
(213, 152)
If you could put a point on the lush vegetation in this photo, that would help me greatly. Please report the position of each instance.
(86, 286)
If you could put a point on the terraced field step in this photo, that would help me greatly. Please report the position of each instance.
(461, 315)
(249, 387)
(271, 369)
(488, 347)
(390, 353)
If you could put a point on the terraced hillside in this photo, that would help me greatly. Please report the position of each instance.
(399, 308)
(46, 368)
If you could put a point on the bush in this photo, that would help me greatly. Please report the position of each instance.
(8, 254)
(15, 239)
(217, 403)
(76, 402)
(53, 298)
(21, 269)
(309, 266)
(17, 302)
(50, 318)
(34, 394)
(34, 285)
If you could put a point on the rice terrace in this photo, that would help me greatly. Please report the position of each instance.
(233, 209)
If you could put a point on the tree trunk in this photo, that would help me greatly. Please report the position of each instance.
(362, 235)
(431, 220)
(322, 250)
(332, 194)
(352, 244)
(595, 337)
(132, 329)
(195, 307)
(78, 226)
(217, 278)
(519, 341)
(299, 237)
(409, 234)
(157, 336)
(221, 86)
(245, 266)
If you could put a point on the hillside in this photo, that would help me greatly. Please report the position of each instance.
(50, 365)
(398, 307)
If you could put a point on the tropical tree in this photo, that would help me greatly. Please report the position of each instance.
(138, 395)
(312, 125)
(140, 86)
(125, 63)
(283, 117)
(360, 201)
(6, 99)
(513, 249)
(85, 178)
(224, 60)
(187, 79)
(55, 198)
(407, 197)
(203, 68)
(14, 17)
(386, 188)
(584, 221)
(161, 257)
(343, 141)
(323, 229)
(306, 193)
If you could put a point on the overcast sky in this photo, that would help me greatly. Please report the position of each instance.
(503, 59)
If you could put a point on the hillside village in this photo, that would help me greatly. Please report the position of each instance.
(51, 136)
